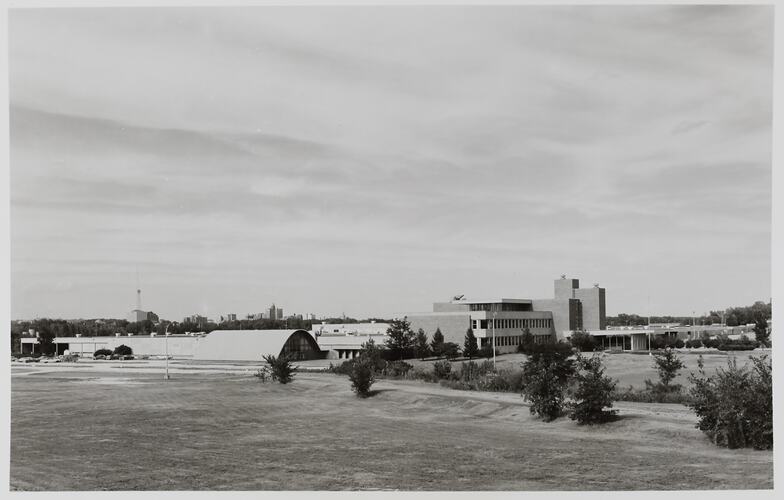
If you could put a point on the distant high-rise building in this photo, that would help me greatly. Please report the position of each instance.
(275, 312)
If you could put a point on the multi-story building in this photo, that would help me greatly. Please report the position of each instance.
(571, 308)
(275, 312)
(138, 315)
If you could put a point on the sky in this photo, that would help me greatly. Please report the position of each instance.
(370, 161)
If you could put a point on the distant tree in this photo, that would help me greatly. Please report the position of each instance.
(594, 393)
(401, 337)
(421, 344)
(123, 350)
(470, 348)
(362, 376)
(761, 332)
(583, 341)
(450, 350)
(437, 344)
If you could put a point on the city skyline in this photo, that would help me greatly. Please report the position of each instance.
(374, 161)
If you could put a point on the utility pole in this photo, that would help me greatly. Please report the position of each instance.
(494, 313)
(166, 341)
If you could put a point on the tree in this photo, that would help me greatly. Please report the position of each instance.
(583, 341)
(401, 338)
(450, 350)
(761, 332)
(545, 378)
(668, 364)
(421, 344)
(527, 341)
(470, 348)
(437, 344)
(594, 393)
(123, 350)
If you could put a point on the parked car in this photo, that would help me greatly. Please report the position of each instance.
(50, 360)
(99, 356)
(29, 360)
(126, 356)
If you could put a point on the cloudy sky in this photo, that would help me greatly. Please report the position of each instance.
(374, 160)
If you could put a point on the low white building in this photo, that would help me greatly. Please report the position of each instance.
(344, 340)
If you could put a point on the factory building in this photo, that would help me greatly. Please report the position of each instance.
(571, 308)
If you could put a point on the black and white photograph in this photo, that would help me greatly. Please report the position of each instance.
(390, 247)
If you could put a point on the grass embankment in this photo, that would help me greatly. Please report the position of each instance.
(133, 431)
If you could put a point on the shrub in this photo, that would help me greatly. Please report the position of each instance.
(545, 377)
(280, 368)
(583, 341)
(103, 352)
(70, 358)
(526, 342)
(593, 394)
(694, 343)
(486, 351)
(441, 369)
(263, 374)
(396, 369)
(362, 376)
(647, 396)
(734, 407)
(123, 350)
(679, 344)
(450, 350)
(343, 368)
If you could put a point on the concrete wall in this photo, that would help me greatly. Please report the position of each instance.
(564, 288)
(593, 305)
(452, 325)
(566, 314)
(450, 307)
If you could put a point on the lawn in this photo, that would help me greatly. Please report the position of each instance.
(133, 431)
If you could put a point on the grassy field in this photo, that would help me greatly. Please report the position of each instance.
(124, 430)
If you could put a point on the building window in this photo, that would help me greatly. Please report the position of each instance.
(483, 324)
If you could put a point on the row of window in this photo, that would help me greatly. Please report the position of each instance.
(515, 340)
(484, 324)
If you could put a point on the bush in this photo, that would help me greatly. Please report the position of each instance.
(647, 396)
(441, 369)
(280, 368)
(668, 364)
(679, 344)
(450, 350)
(103, 352)
(486, 351)
(70, 358)
(362, 376)
(695, 343)
(594, 393)
(734, 407)
(545, 377)
(396, 369)
(583, 341)
(527, 341)
(263, 374)
(123, 350)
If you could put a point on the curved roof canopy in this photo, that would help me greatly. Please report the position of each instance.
(252, 345)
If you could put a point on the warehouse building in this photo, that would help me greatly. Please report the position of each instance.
(218, 345)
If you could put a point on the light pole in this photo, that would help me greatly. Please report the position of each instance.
(494, 341)
(166, 342)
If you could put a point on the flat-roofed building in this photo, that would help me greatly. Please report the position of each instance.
(571, 308)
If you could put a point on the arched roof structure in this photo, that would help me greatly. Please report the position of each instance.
(252, 345)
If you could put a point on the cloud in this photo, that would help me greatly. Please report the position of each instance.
(369, 159)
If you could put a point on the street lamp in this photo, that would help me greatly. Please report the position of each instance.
(166, 342)
(494, 340)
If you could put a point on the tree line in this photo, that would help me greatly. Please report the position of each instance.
(733, 316)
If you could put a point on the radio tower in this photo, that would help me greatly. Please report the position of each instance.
(138, 292)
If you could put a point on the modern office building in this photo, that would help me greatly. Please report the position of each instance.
(345, 340)
(571, 308)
